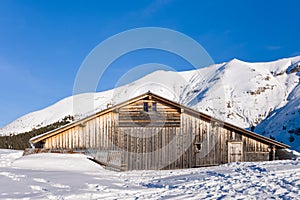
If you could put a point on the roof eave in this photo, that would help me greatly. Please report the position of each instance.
(202, 115)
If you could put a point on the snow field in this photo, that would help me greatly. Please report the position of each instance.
(73, 176)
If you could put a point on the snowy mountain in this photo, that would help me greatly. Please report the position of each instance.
(264, 97)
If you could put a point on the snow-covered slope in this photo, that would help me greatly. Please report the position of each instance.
(71, 176)
(260, 95)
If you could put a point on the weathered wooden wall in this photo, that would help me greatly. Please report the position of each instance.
(150, 137)
(98, 137)
(163, 138)
(162, 115)
(255, 150)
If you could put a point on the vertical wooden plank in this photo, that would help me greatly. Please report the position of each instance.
(79, 134)
(97, 132)
(59, 138)
(101, 133)
(103, 137)
(86, 135)
(220, 146)
(54, 142)
(141, 129)
(171, 147)
(65, 140)
(138, 148)
(193, 149)
(110, 135)
(150, 148)
(184, 141)
(180, 152)
(105, 132)
(76, 137)
(153, 148)
(158, 146)
(190, 142)
(142, 147)
(80, 138)
(201, 138)
(50, 142)
(175, 136)
(178, 146)
(145, 147)
(111, 132)
(132, 148)
(129, 148)
(213, 147)
(157, 154)
(187, 142)
(125, 146)
(116, 132)
(68, 141)
(46, 144)
(167, 147)
(91, 134)
(208, 140)
(57, 141)
(60, 141)
(163, 147)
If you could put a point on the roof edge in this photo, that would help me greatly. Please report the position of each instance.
(195, 112)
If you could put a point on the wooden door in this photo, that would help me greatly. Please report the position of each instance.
(235, 151)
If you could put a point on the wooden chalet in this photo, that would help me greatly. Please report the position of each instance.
(152, 132)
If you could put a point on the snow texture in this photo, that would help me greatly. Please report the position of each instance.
(261, 95)
(73, 176)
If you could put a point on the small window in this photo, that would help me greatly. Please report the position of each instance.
(154, 108)
(198, 146)
(146, 106)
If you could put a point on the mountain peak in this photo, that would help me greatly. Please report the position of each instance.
(245, 94)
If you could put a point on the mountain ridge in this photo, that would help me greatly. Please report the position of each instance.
(259, 96)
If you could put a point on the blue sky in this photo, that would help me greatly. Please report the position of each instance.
(43, 43)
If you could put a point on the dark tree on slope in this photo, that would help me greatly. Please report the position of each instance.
(20, 141)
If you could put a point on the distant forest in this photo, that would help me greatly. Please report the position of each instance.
(21, 141)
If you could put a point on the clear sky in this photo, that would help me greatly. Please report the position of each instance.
(43, 43)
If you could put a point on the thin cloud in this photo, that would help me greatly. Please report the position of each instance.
(154, 7)
(273, 47)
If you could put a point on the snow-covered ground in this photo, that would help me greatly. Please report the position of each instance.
(73, 176)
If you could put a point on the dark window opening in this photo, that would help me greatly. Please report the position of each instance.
(154, 107)
(238, 137)
(231, 135)
(198, 146)
(146, 106)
